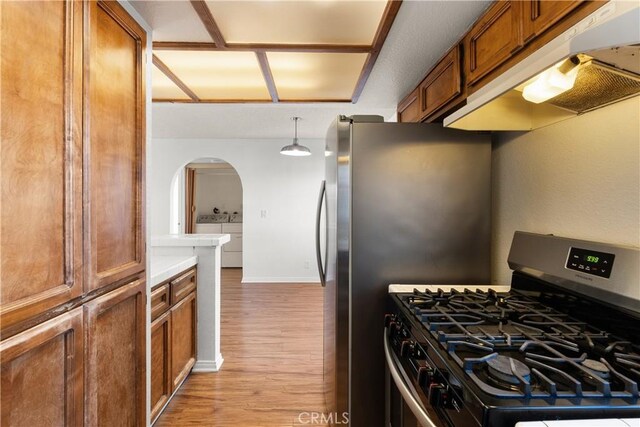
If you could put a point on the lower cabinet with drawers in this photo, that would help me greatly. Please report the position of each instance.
(173, 336)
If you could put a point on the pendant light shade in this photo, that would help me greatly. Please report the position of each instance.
(295, 149)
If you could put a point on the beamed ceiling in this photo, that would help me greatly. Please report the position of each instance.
(272, 51)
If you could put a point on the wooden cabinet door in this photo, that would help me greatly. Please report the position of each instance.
(493, 39)
(161, 380)
(115, 129)
(409, 108)
(183, 338)
(115, 357)
(42, 374)
(41, 157)
(442, 85)
(539, 15)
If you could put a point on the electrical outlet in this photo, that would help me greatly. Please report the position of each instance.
(263, 213)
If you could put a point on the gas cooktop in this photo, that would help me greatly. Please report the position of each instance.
(562, 343)
(516, 345)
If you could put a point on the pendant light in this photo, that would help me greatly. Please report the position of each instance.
(295, 149)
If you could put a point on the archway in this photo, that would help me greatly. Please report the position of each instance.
(207, 197)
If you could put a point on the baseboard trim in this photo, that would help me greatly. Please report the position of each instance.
(313, 280)
(208, 365)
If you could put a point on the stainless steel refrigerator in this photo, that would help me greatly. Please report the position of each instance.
(402, 203)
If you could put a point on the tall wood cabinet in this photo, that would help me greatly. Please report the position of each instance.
(72, 249)
(41, 155)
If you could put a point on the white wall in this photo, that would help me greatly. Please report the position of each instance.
(579, 178)
(221, 189)
(277, 248)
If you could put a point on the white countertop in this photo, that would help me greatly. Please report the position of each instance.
(165, 266)
(396, 289)
(190, 240)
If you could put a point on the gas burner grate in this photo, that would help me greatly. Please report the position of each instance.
(515, 345)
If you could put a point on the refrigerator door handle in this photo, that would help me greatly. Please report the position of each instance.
(321, 199)
(404, 388)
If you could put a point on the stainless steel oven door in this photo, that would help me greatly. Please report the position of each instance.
(404, 407)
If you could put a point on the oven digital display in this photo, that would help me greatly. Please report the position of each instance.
(590, 262)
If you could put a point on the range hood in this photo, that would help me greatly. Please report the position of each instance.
(604, 49)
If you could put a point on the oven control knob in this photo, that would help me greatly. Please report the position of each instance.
(406, 348)
(440, 396)
(389, 319)
(425, 375)
(437, 393)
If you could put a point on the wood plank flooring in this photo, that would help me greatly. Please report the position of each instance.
(272, 348)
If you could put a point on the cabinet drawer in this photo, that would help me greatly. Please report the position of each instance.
(232, 228)
(442, 84)
(183, 285)
(160, 300)
(235, 244)
(493, 39)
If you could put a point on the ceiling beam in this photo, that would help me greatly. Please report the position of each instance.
(167, 72)
(264, 47)
(206, 17)
(389, 15)
(268, 76)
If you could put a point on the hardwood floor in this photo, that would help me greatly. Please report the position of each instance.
(272, 349)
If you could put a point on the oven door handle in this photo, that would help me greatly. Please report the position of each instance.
(405, 388)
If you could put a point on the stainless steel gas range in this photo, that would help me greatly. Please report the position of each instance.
(563, 343)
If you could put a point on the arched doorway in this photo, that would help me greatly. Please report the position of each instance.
(207, 198)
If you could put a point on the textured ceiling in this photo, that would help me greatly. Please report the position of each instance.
(422, 32)
(172, 21)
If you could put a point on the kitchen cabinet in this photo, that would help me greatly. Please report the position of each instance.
(160, 300)
(41, 158)
(161, 380)
(116, 357)
(441, 86)
(504, 35)
(173, 336)
(183, 338)
(42, 374)
(493, 39)
(183, 285)
(539, 15)
(72, 243)
(409, 108)
(116, 129)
